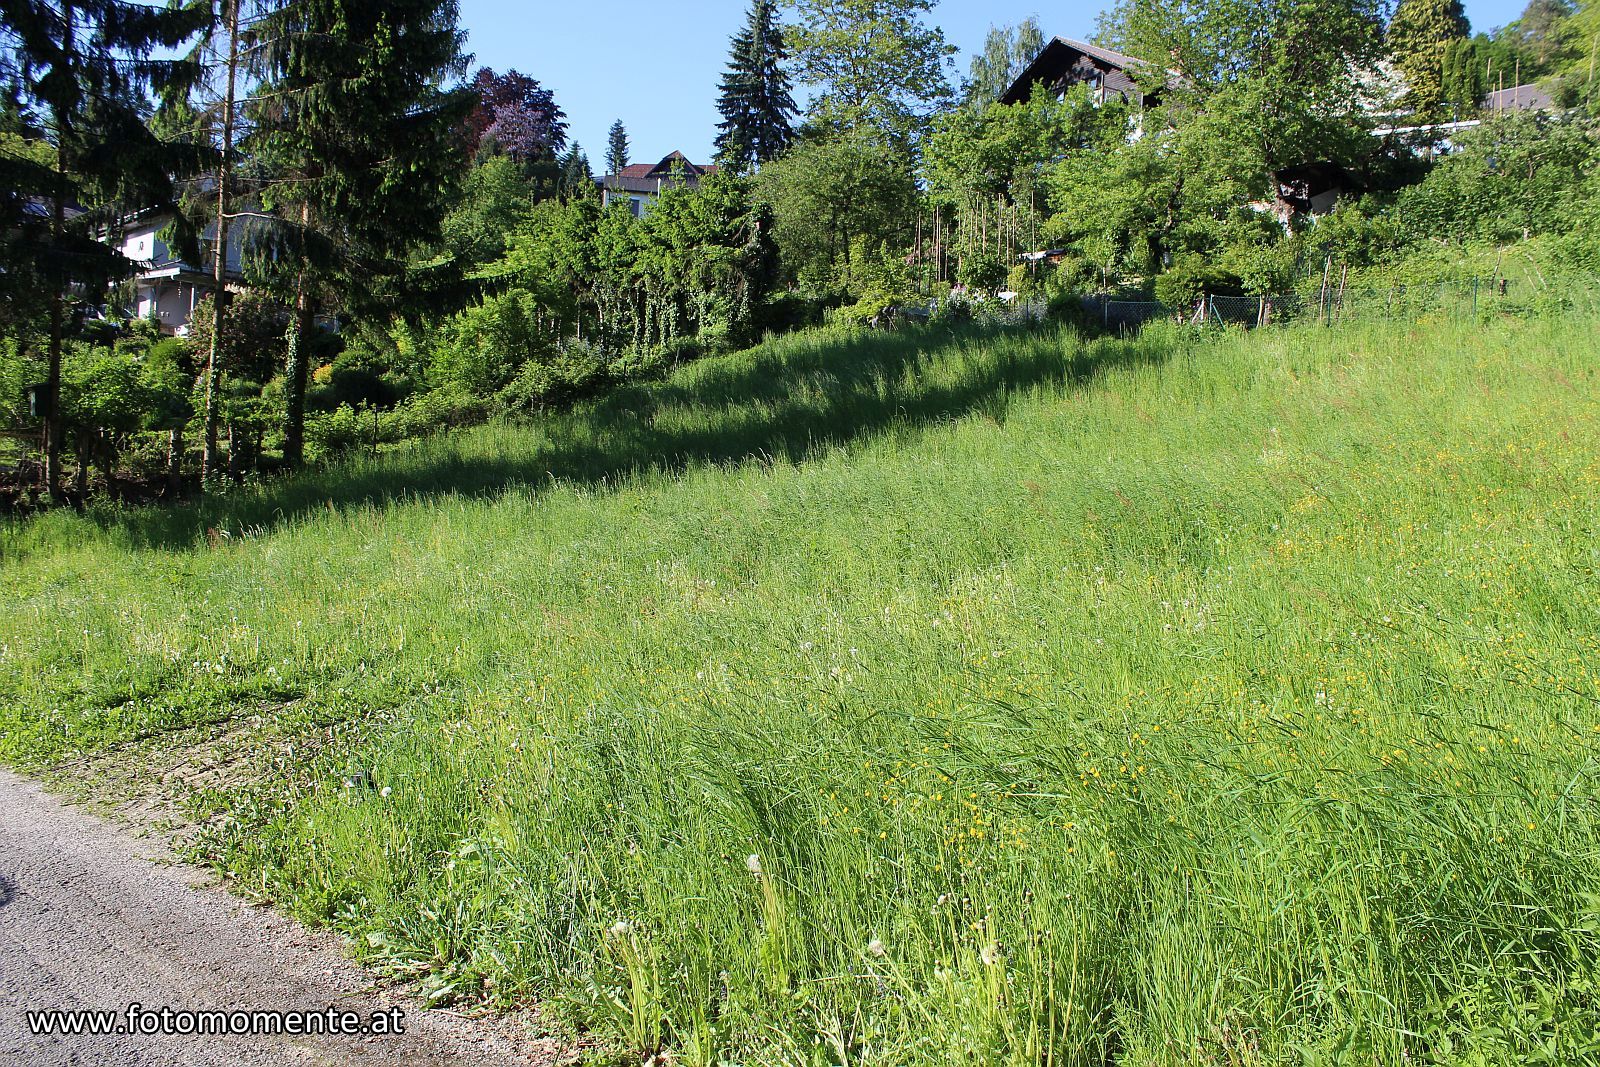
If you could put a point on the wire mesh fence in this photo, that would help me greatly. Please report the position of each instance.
(1471, 298)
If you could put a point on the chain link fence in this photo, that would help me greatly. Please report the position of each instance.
(1467, 299)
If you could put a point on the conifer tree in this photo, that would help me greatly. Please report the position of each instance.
(1419, 36)
(577, 178)
(616, 148)
(755, 102)
(1462, 88)
(85, 67)
(361, 136)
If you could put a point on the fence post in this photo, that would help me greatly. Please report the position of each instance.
(1474, 298)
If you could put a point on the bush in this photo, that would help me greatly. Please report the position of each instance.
(579, 369)
(1071, 309)
(481, 350)
(786, 311)
(1192, 277)
(983, 273)
(438, 409)
(332, 432)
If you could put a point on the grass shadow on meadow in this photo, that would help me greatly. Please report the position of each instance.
(789, 399)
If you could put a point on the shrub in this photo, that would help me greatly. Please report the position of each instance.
(578, 369)
(1192, 277)
(480, 350)
(331, 432)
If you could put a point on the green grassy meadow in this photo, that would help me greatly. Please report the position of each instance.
(932, 698)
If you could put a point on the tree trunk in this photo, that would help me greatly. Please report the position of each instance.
(219, 269)
(297, 370)
(80, 477)
(175, 462)
(53, 429)
(106, 445)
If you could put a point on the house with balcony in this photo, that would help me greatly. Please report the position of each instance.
(167, 288)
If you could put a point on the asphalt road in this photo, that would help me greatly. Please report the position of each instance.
(92, 918)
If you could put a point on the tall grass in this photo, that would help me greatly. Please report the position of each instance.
(927, 700)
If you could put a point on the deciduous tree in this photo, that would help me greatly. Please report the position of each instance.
(1007, 51)
(873, 64)
(516, 115)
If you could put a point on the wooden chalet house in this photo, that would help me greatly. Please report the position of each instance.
(1064, 63)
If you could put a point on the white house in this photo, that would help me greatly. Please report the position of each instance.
(639, 185)
(167, 288)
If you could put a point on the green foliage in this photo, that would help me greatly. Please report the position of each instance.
(754, 101)
(577, 177)
(576, 369)
(479, 351)
(1007, 51)
(584, 296)
(495, 202)
(872, 66)
(1463, 85)
(1419, 39)
(830, 194)
(1184, 188)
(79, 77)
(885, 283)
(252, 346)
(1540, 36)
(362, 136)
(1521, 175)
(616, 148)
(1192, 278)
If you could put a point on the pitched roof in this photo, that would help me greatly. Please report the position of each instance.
(649, 177)
(1519, 98)
(1057, 59)
(1105, 55)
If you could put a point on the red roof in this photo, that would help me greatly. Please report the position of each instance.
(664, 168)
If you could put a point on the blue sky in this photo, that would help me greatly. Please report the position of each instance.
(655, 64)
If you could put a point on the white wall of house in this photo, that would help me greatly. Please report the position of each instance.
(638, 203)
(142, 244)
(169, 301)
(167, 291)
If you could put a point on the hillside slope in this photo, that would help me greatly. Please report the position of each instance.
(926, 699)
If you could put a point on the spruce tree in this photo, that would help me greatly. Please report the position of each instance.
(755, 102)
(84, 69)
(616, 148)
(577, 179)
(362, 140)
(1419, 36)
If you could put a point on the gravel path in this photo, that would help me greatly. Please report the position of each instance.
(91, 918)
